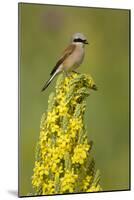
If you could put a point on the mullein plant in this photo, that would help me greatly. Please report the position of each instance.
(64, 161)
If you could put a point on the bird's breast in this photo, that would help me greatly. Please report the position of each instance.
(75, 59)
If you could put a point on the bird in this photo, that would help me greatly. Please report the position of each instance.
(71, 58)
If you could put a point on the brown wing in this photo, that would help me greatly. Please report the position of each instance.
(65, 54)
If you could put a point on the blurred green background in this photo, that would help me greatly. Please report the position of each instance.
(44, 32)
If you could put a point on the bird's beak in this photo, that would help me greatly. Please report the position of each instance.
(86, 42)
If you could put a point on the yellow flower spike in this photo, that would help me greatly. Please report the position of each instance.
(64, 163)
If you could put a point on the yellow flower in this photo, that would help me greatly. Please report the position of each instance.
(68, 181)
(62, 109)
(76, 124)
(86, 182)
(48, 188)
(38, 174)
(94, 188)
(63, 163)
(51, 117)
(80, 153)
(55, 128)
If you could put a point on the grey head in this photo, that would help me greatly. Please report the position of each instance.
(79, 37)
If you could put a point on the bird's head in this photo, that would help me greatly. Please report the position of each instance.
(79, 38)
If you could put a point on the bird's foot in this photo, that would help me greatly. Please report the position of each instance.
(76, 72)
(68, 74)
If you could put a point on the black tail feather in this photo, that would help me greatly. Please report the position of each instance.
(46, 85)
(48, 82)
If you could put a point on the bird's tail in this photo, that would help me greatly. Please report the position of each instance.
(49, 81)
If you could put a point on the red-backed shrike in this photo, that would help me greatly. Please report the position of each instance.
(71, 58)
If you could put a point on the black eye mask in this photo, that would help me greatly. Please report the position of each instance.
(80, 40)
